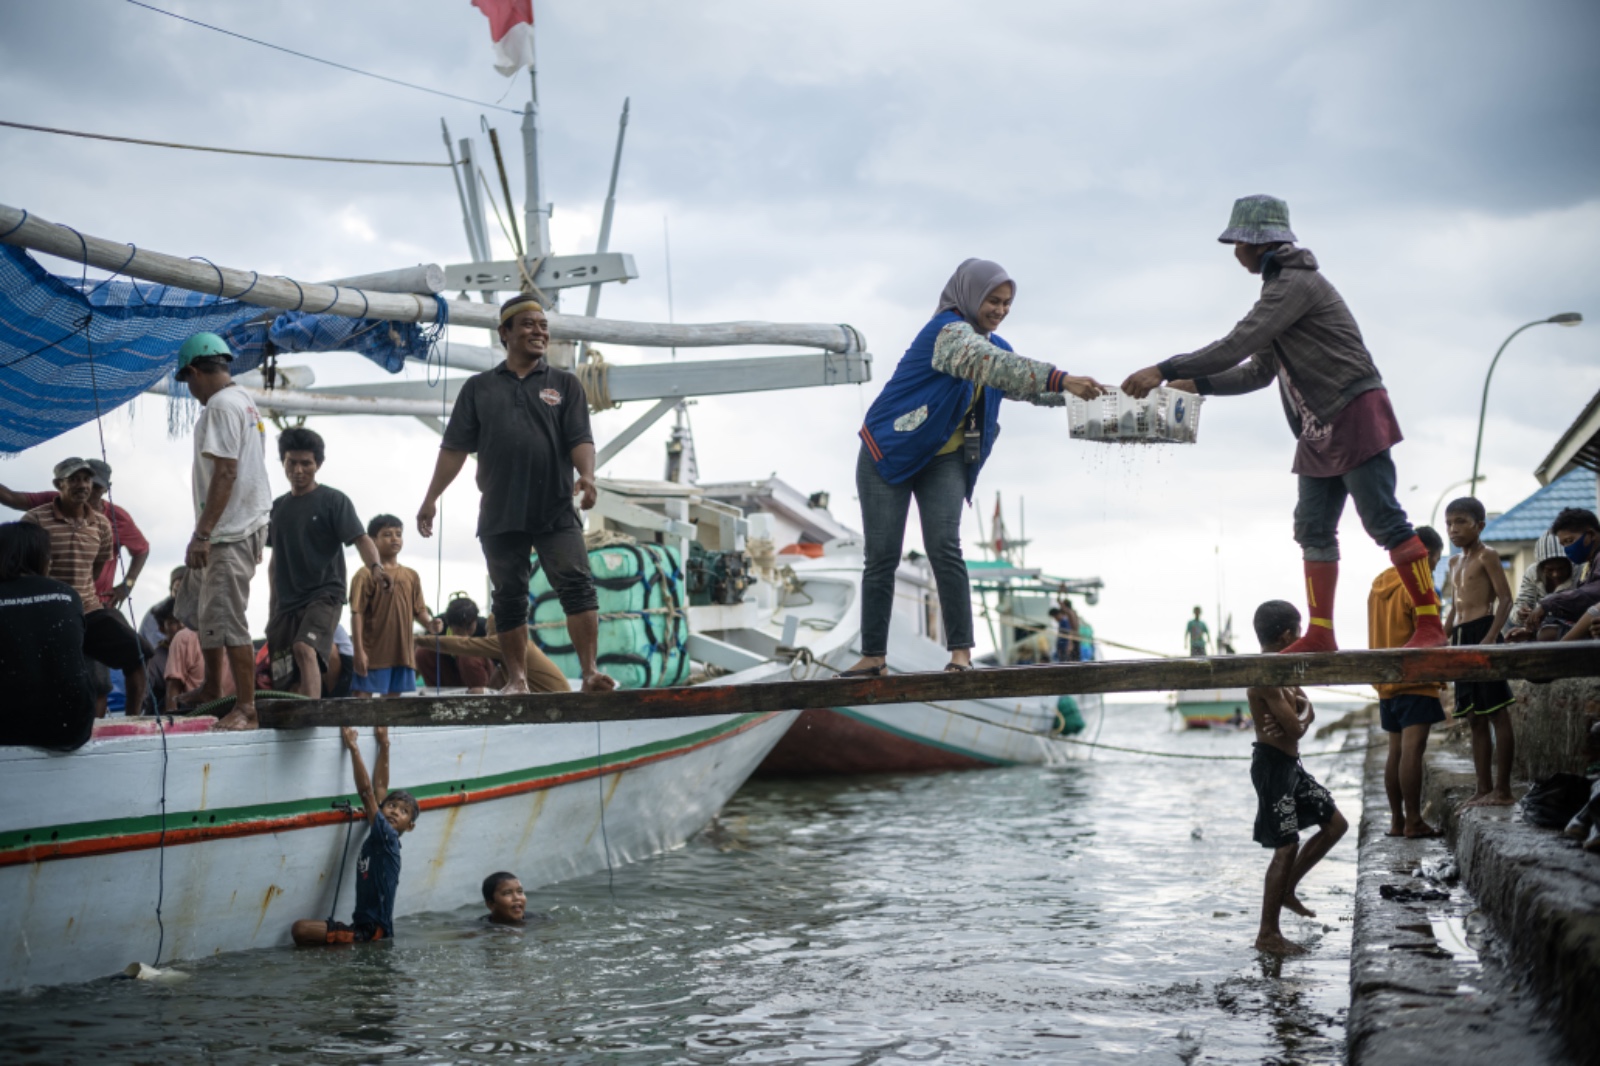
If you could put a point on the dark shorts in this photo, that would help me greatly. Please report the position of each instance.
(312, 625)
(1287, 798)
(562, 555)
(361, 933)
(1410, 709)
(109, 639)
(1478, 697)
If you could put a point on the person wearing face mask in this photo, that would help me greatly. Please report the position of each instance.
(1578, 531)
(927, 436)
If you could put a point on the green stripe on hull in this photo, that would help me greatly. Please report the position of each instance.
(151, 823)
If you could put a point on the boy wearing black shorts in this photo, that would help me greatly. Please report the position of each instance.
(1288, 799)
(1480, 603)
(378, 870)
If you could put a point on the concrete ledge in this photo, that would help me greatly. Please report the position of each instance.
(1419, 994)
(1539, 889)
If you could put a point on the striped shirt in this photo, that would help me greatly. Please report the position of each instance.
(79, 548)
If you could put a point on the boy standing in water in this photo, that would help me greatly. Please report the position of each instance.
(1288, 798)
(378, 870)
(1479, 606)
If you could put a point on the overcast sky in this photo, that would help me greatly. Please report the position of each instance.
(833, 162)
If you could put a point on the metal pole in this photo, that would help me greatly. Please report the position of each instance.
(1433, 519)
(1566, 318)
(475, 204)
(604, 243)
(473, 249)
(536, 211)
(1483, 406)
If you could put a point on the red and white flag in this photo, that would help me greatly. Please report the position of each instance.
(511, 26)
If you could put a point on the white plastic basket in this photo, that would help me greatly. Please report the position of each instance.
(1165, 416)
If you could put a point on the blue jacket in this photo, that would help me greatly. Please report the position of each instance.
(917, 411)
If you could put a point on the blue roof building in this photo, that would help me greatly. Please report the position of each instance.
(1515, 533)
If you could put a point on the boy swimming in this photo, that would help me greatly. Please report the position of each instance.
(378, 871)
(503, 895)
(1288, 798)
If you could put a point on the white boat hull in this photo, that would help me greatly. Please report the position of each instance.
(253, 841)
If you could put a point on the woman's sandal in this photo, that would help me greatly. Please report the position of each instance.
(865, 671)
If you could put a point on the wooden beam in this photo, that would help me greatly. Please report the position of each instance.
(1536, 662)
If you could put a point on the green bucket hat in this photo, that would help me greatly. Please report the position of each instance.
(1258, 219)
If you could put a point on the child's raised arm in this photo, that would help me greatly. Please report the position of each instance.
(380, 769)
(369, 801)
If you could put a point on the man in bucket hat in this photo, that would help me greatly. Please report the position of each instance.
(1301, 335)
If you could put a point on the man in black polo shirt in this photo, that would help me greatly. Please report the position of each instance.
(528, 424)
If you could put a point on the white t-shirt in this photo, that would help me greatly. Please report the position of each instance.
(230, 427)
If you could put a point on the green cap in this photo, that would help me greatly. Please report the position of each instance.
(201, 346)
(1258, 220)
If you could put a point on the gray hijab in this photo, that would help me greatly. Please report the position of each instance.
(967, 288)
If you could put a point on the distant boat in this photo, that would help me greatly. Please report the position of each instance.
(1212, 708)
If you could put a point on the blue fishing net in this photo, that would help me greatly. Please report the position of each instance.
(71, 350)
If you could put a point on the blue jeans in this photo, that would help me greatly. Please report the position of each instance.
(1371, 486)
(940, 489)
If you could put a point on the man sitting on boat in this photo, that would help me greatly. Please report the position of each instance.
(42, 670)
(232, 506)
(441, 669)
(528, 424)
(81, 542)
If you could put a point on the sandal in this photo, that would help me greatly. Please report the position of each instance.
(865, 671)
(957, 668)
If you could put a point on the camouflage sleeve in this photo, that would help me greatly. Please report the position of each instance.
(960, 352)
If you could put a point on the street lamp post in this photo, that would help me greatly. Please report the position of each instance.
(1566, 318)
(1433, 519)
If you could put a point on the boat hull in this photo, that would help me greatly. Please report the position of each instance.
(840, 742)
(1212, 708)
(253, 840)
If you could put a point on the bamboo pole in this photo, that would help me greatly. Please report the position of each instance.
(1537, 662)
(28, 230)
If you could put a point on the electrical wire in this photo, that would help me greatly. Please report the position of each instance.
(212, 148)
(324, 62)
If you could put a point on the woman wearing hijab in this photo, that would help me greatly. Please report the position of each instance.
(927, 435)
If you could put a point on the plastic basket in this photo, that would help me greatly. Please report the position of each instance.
(1165, 416)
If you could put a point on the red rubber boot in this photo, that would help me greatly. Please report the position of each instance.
(1411, 561)
(1321, 580)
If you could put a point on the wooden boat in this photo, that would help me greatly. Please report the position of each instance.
(1212, 708)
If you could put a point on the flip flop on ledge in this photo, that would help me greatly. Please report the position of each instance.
(957, 668)
(865, 671)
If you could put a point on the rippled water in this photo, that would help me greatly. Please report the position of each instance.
(1101, 911)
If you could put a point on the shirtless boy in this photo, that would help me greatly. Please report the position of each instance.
(1480, 604)
(1288, 798)
(507, 902)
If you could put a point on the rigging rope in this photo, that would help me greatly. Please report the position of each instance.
(324, 62)
(223, 151)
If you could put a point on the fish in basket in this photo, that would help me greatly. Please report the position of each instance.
(1165, 416)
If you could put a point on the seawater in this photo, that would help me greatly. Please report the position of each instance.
(1100, 911)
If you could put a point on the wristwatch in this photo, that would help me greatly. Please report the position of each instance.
(203, 537)
(128, 581)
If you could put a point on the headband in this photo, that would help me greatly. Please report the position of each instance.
(517, 303)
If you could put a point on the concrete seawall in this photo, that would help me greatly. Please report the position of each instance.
(1520, 982)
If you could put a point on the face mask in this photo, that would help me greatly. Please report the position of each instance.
(1578, 550)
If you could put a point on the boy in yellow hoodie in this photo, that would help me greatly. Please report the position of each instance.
(1406, 712)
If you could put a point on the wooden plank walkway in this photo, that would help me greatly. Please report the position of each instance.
(1531, 662)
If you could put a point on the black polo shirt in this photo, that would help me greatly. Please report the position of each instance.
(523, 432)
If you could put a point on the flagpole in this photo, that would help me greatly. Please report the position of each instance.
(536, 212)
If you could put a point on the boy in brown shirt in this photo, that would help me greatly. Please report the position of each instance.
(380, 619)
(1479, 606)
